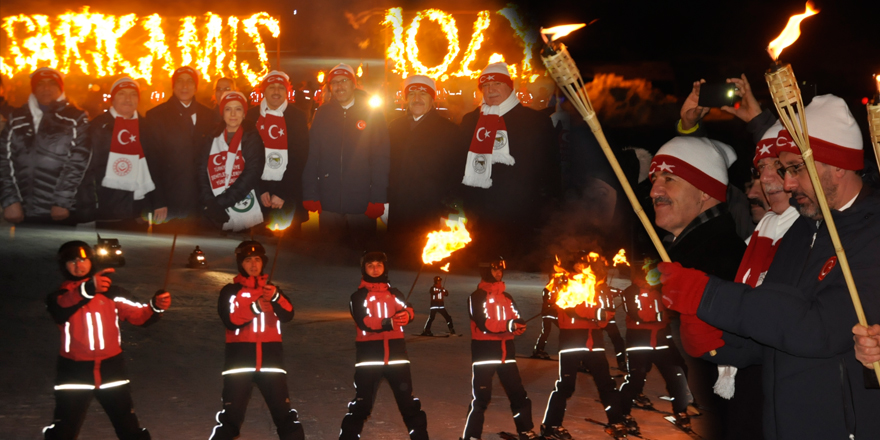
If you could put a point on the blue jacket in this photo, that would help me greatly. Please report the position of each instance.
(798, 323)
(348, 159)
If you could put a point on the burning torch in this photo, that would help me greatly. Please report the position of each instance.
(874, 121)
(441, 244)
(786, 97)
(562, 68)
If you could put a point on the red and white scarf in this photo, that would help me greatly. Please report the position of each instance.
(273, 130)
(225, 164)
(489, 144)
(759, 254)
(126, 166)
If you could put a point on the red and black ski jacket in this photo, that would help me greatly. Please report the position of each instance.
(90, 354)
(253, 325)
(646, 318)
(378, 340)
(493, 313)
(580, 327)
(437, 294)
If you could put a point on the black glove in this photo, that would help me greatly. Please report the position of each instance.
(216, 213)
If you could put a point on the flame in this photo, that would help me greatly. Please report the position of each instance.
(447, 24)
(441, 244)
(573, 288)
(529, 39)
(620, 258)
(470, 54)
(877, 78)
(556, 32)
(445, 267)
(360, 71)
(93, 44)
(396, 49)
(791, 32)
(278, 220)
(320, 77)
(496, 58)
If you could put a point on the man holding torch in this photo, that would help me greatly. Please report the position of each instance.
(285, 133)
(798, 322)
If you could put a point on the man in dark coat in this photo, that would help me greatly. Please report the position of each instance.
(511, 167)
(44, 156)
(689, 189)
(285, 133)
(346, 175)
(178, 129)
(124, 188)
(798, 322)
(422, 174)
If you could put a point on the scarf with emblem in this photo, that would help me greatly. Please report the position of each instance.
(489, 144)
(126, 165)
(225, 164)
(273, 131)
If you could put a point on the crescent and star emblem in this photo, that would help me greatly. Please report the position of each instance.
(280, 132)
(131, 138)
(485, 136)
(217, 160)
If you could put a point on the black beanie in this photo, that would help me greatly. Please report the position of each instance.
(71, 251)
(246, 249)
(370, 257)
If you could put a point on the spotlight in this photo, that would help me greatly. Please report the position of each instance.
(197, 259)
(109, 251)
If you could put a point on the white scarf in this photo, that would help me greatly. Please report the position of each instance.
(478, 170)
(273, 136)
(36, 112)
(127, 171)
(222, 173)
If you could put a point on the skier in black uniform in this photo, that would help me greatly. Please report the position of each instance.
(548, 320)
(252, 312)
(437, 306)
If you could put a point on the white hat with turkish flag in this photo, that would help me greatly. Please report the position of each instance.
(496, 72)
(124, 83)
(419, 83)
(767, 145)
(835, 137)
(700, 161)
(341, 70)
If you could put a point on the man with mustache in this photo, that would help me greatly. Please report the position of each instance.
(798, 322)
(689, 192)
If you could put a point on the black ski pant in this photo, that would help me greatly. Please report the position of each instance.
(546, 326)
(366, 381)
(569, 362)
(445, 314)
(640, 358)
(481, 385)
(71, 407)
(619, 344)
(237, 389)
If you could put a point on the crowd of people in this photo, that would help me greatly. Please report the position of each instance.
(763, 311)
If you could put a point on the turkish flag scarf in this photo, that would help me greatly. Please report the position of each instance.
(225, 164)
(126, 166)
(273, 131)
(489, 144)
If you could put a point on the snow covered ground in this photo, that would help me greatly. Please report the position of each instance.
(175, 365)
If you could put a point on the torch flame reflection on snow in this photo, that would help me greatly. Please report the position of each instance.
(791, 32)
(441, 244)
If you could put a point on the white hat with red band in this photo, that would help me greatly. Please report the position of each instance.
(419, 83)
(496, 72)
(341, 70)
(276, 76)
(47, 73)
(835, 137)
(124, 83)
(702, 162)
(767, 145)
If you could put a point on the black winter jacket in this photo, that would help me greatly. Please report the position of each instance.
(115, 204)
(799, 321)
(519, 192)
(179, 145)
(425, 168)
(712, 247)
(254, 160)
(44, 168)
(348, 157)
(289, 188)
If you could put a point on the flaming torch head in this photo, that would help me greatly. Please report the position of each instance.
(562, 68)
(874, 119)
(441, 244)
(620, 258)
(791, 32)
(573, 288)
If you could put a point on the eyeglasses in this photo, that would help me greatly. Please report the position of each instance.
(791, 170)
(223, 89)
(757, 171)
